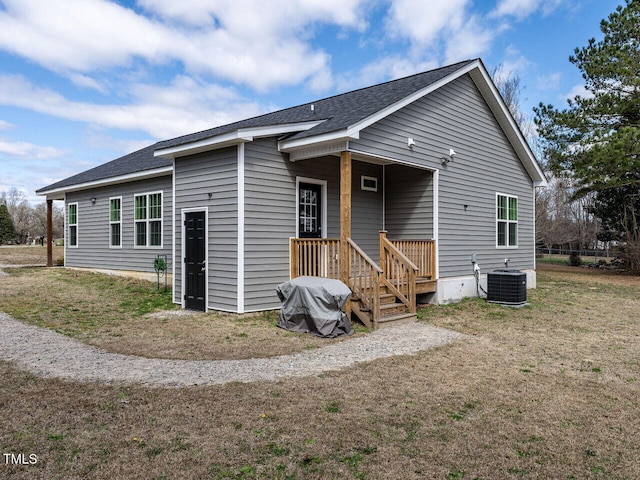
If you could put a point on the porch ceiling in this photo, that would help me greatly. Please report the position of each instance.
(335, 151)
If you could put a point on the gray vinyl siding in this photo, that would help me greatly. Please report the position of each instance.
(366, 209)
(456, 116)
(195, 177)
(93, 249)
(409, 203)
(270, 215)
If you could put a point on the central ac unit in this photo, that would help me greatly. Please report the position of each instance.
(508, 287)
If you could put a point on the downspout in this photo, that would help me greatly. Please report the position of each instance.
(384, 197)
(240, 241)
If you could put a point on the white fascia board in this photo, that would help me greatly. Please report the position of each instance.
(353, 132)
(493, 98)
(333, 137)
(235, 137)
(210, 143)
(271, 130)
(130, 177)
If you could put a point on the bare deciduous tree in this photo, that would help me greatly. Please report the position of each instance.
(29, 221)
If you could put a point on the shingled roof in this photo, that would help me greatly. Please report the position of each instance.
(337, 113)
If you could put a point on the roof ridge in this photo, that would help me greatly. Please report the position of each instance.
(392, 81)
(337, 95)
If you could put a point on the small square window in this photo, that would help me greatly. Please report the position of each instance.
(369, 184)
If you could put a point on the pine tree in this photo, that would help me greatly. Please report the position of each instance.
(7, 232)
(596, 140)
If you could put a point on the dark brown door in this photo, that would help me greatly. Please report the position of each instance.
(194, 261)
(310, 210)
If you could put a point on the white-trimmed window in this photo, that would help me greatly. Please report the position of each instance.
(115, 222)
(72, 220)
(148, 220)
(506, 221)
(369, 184)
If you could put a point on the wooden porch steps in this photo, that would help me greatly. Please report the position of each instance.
(392, 311)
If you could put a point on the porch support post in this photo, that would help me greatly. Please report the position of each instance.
(345, 219)
(49, 233)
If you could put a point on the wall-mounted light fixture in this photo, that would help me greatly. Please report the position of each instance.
(445, 160)
(411, 142)
(210, 195)
(93, 200)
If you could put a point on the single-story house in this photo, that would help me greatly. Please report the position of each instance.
(404, 180)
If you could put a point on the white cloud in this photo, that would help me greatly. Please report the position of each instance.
(257, 43)
(6, 125)
(470, 41)
(514, 62)
(381, 70)
(28, 150)
(80, 35)
(578, 91)
(84, 81)
(439, 26)
(256, 15)
(550, 81)
(521, 9)
(183, 107)
(422, 22)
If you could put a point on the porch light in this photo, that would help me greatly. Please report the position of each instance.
(445, 160)
(93, 200)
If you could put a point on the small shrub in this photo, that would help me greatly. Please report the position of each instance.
(59, 262)
(575, 260)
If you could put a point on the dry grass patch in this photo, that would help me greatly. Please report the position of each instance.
(130, 316)
(546, 391)
(27, 254)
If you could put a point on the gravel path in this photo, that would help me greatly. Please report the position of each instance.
(49, 354)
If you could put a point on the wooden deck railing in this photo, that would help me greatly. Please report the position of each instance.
(364, 279)
(317, 257)
(401, 262)
(399, 273)
(422, 253)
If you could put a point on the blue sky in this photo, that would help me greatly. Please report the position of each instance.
(85, 81)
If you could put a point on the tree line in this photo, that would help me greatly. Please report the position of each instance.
(590, 150)
(21, 222)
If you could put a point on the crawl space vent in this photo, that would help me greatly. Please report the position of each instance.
(508, 287)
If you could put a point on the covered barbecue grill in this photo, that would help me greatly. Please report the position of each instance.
(314, 305)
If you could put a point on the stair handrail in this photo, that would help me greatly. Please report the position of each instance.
(365, 278)
(399, 273)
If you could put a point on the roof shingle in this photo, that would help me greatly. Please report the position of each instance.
(339, 112)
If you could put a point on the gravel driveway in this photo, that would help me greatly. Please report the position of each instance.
(52, 355)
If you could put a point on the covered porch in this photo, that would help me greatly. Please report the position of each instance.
(385, 273)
